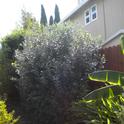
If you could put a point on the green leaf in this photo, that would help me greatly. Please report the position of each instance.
(122, 44)
(111, 77)
(108, 121)
(105, 92)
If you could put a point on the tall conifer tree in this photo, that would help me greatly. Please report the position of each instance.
(43, 20)
(51, 20)
(57, 15)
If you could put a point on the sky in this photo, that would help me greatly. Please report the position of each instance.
(10, 11)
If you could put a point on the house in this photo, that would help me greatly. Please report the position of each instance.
(103, 18)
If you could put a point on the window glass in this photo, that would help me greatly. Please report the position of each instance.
(93, 13)
(87, 20)
(93, 8)
(87, 13)
(87, 16)
(94, 16)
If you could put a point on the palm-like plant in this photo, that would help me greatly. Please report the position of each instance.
(113, 80)
(104, 105)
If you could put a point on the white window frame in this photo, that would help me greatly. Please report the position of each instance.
(88, 10)
(93, 12)
(90, 14)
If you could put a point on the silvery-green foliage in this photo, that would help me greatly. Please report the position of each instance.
(53, 68)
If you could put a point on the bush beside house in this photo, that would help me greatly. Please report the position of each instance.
(53, 68)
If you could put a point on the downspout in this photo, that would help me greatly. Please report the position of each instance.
(104, 21)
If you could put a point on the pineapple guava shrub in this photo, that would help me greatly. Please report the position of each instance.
(53, 68)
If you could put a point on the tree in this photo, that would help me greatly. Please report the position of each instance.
(7, 56)
(51, 68)
(43, 20)
(8, 74)
(27, 20)
(29, 23)
(51, 20)
(10, 43)
(57, 15)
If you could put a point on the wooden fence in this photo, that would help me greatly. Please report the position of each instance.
(114, 58)
(114, 61)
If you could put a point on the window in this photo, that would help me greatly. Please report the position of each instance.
(93, 13)
(87, 17)
(90, 14)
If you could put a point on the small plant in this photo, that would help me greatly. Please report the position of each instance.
(5, 117)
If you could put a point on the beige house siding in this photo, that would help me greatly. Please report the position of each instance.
(110, 18)
(96, 28)
(114, 16)
(113, 42)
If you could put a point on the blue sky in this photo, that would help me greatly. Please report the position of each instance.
(10, 11)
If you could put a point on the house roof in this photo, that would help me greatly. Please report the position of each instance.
(75, 10)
